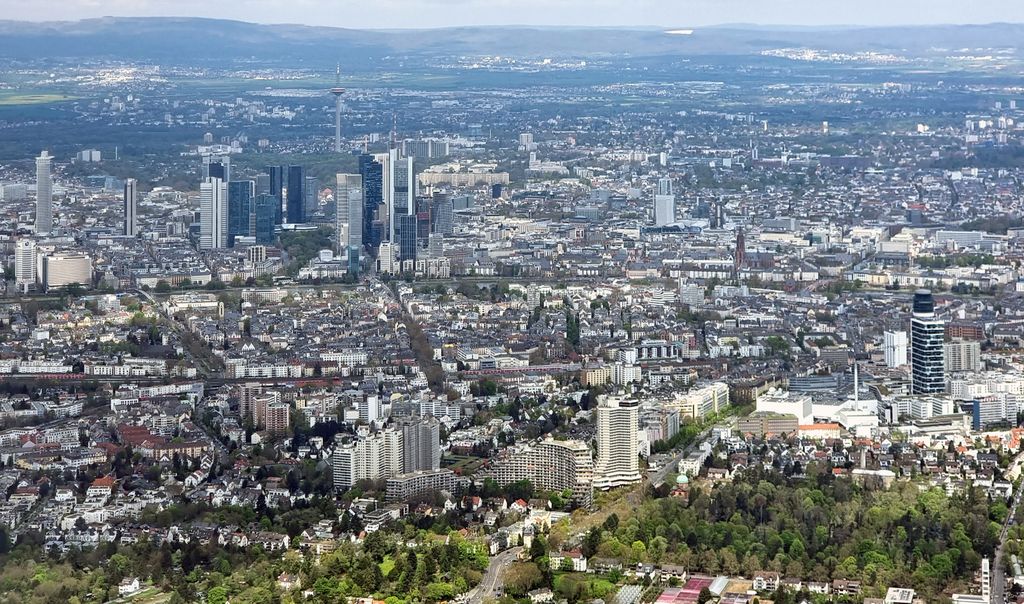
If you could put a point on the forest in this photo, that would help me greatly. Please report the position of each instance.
(437, 568)
(816, 528)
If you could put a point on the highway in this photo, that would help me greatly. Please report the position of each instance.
(657, 477)
(492, 578)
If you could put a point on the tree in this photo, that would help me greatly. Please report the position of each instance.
(704, 596)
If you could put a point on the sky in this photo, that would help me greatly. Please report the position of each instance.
(387, 14)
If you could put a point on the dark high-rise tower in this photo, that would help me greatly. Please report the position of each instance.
(275, 182)
(406, 236)
(373, 191)
(264, 215)
(296, 195)
(927, 335)
(240, 199)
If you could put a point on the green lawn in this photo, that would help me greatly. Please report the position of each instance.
(387, 565)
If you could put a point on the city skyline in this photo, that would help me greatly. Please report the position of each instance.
(427, 14)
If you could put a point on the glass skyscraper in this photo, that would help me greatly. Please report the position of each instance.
(296, 202)
(240, 198)
(927, 335)
(373, 195)
(264, 216)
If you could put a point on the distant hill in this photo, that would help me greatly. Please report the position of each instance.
(188, 40)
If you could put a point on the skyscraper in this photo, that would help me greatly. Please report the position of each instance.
(927, 333)
(312, 193)
(213, 214)
(407, 237)
(664, 210)
(275, 182)
(264, 214)
(664, 186)
(296, 195)
(895, 348)
(217, 166)
(387, 162)
(350, 205)
(25, 265)
(421, 445)
(241, 194)
(44, 194)
(443, 214)
(617, 450)
(372, 173)
(131, 196)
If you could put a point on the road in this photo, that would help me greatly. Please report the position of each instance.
(492, 578)
(658, 476)
(997, 573)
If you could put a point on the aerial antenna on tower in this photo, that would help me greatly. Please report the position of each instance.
(337, 91)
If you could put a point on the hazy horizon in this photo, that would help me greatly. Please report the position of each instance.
(415, 14)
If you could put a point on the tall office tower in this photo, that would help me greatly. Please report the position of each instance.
(312, 192)
(664, 210)
(406, 237)
(25, 265)
(617, 451)
(373, 175)
(296, 195)
(44, 194)
(421, 445)
(349, 212)
(665, 186)
(217, 166)
(926, 346)
(131, 199)
(443, 214)
(895, 348)
(264, 214)
(263, 184)
(241, 194)
(405, 186)
(213, 214)
(275, 183)
(387, 162)
(337, 91)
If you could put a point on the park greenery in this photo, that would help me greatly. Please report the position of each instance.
(813, 527)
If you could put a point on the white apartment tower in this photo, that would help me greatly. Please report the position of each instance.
(213, 214)
(664, 203)
(895, 348)
(617, 449)
(44, 194)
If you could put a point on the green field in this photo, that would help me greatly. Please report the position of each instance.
(32, 99)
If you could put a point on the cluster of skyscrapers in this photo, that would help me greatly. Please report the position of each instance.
(231, 211)
(378, 209)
